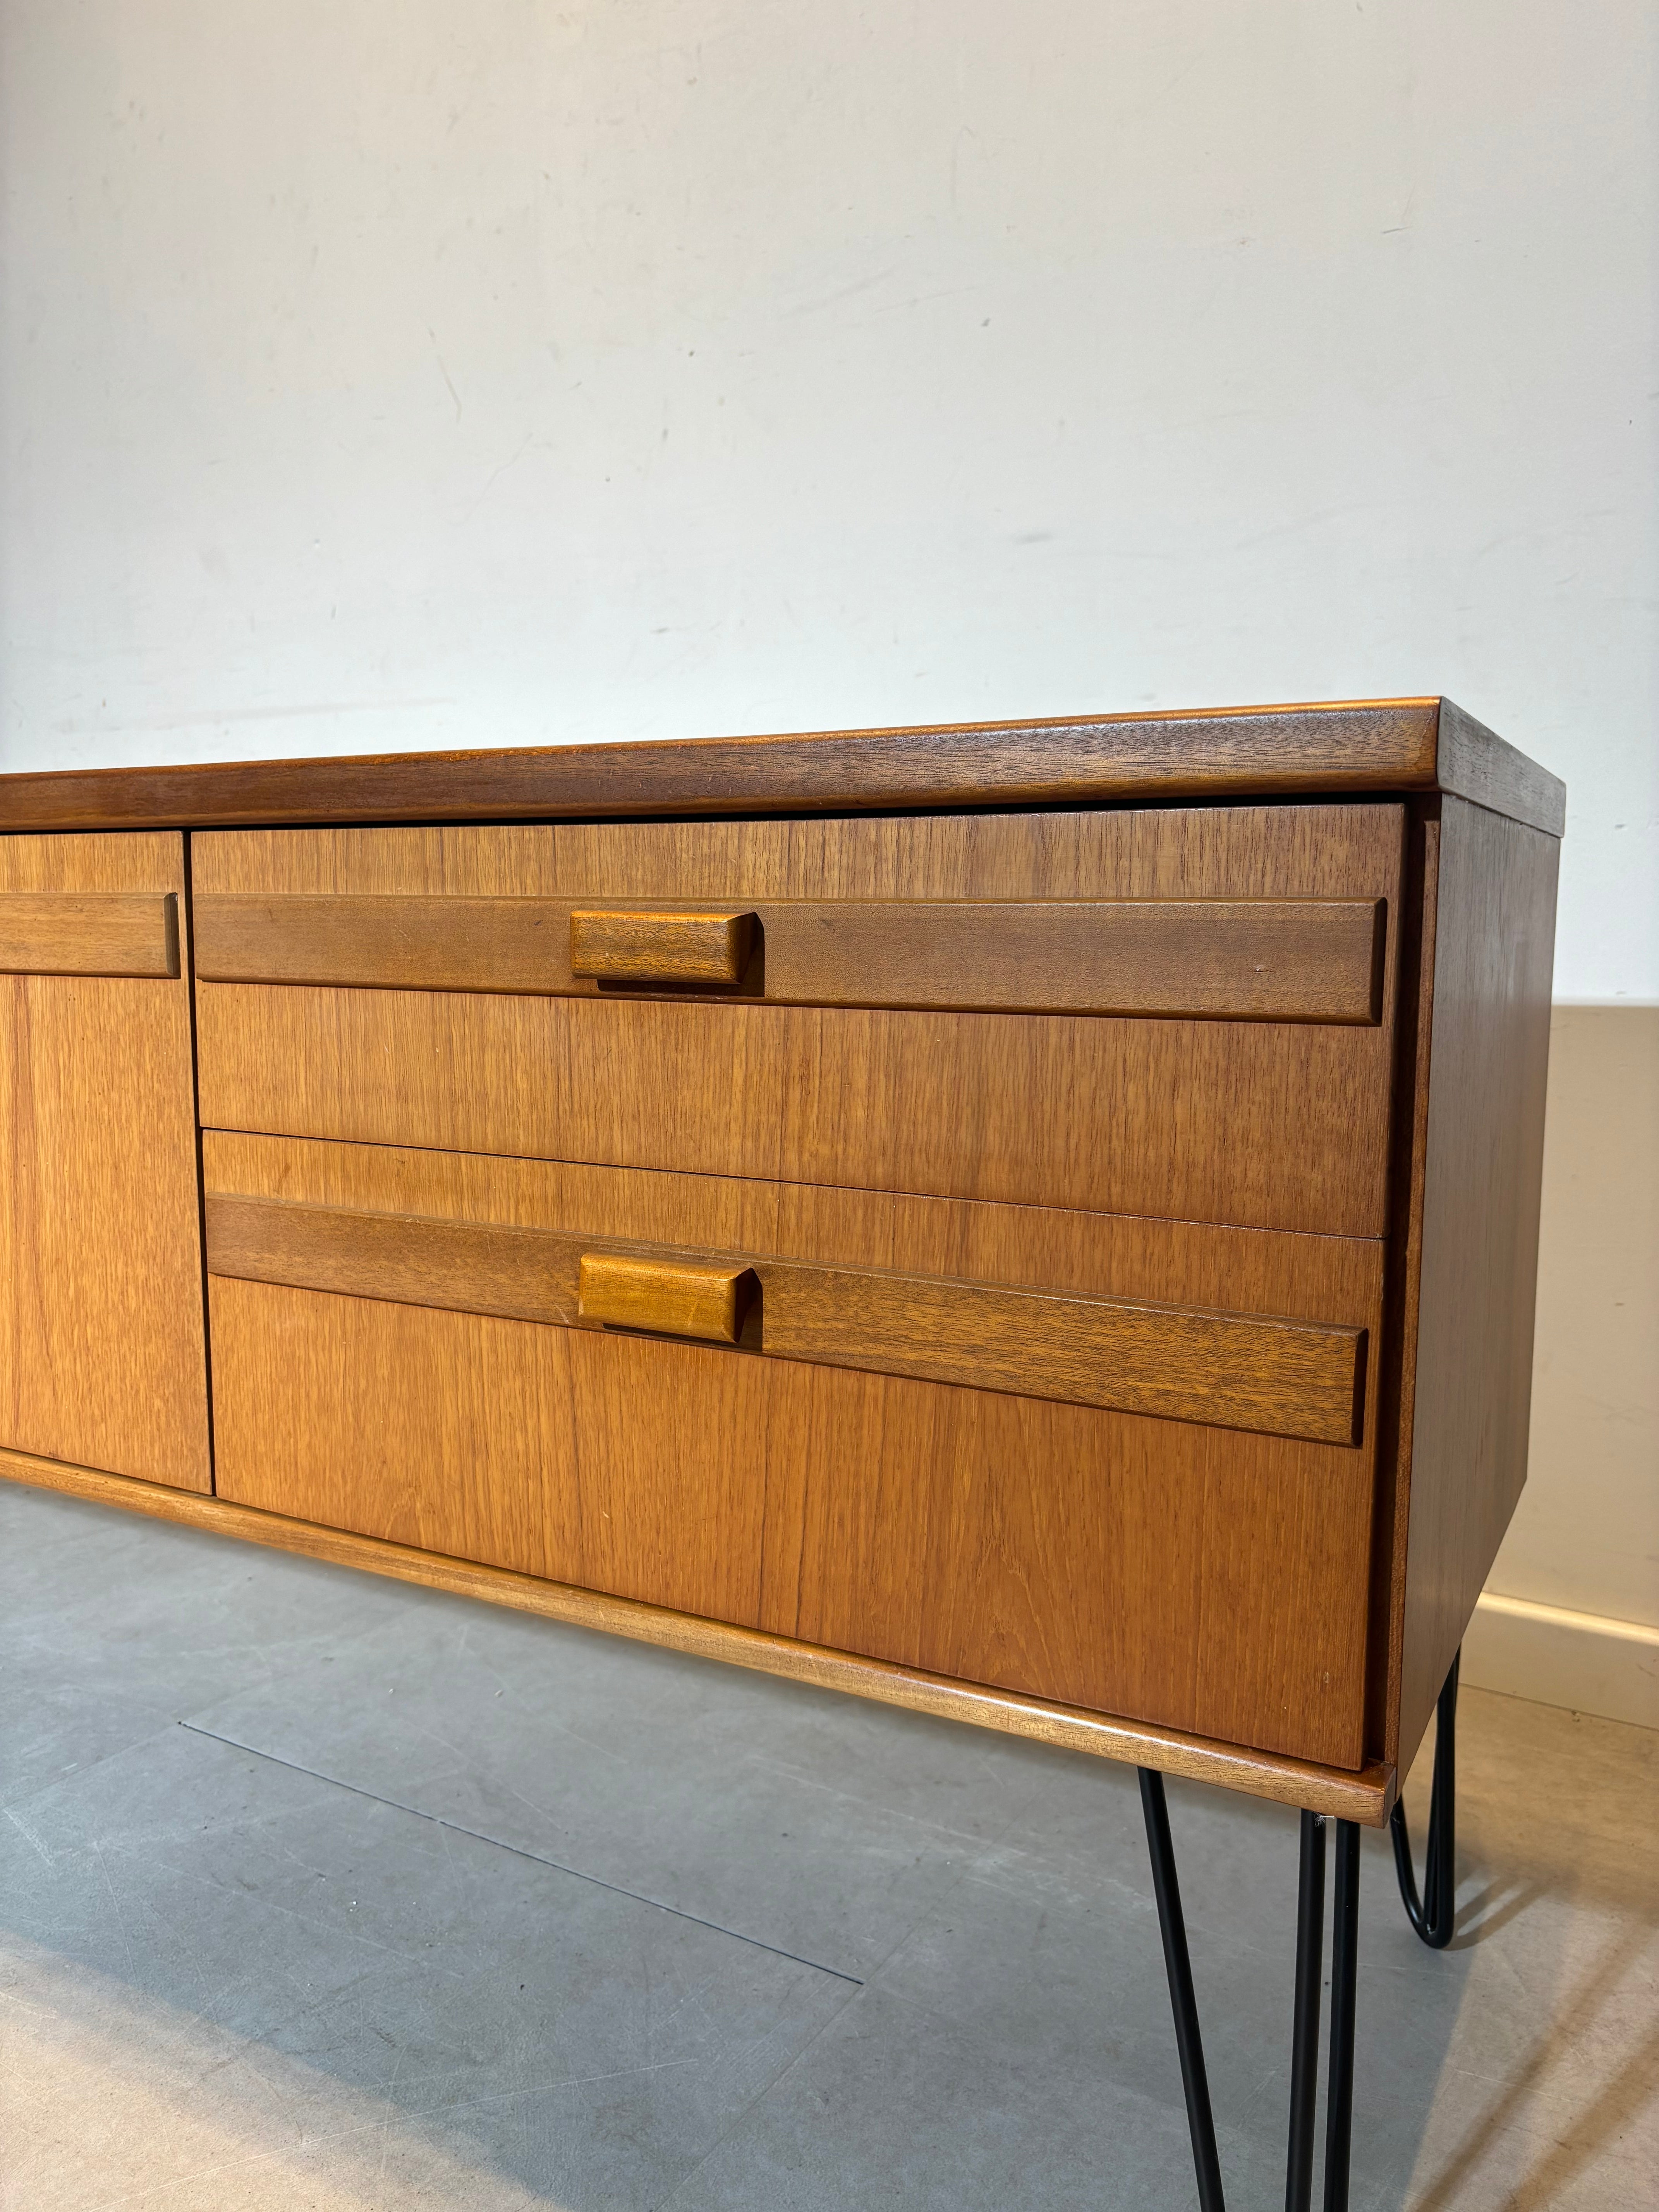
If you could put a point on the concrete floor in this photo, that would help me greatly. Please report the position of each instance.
(323, 1893)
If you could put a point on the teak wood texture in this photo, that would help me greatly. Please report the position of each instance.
(102, 1353)
(1277, 1127)
(1103, 1559)
(1365, 1796)
(1282, 1377)
(1280, 1125)
(1474, 1212)
(608, 944)
(705, 1299)
(89, 932)
(1276, 960)
(797, 1198)
(1303, 851)
(1408, 746)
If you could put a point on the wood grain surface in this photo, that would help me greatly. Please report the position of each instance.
(101, 1357)
(1194, 1578)
(612, 945)
(1303, 851)
(1467, 1397)
(1286, 1126)
(1294, 960)
(1086, 760)
(622, 1290)
(1182, 1263)
(1365, 1796)
(1270, 1126)
(1276, 1375)
(1208, 1585)
(1402, 1276)
(89, 932)
(1474, 763)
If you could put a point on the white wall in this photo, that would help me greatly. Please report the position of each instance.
(388, 377)
(381, 377)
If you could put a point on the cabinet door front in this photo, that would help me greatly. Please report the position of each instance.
(101, 1353)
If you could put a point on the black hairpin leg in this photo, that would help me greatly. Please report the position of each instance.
(1304, 2033)
(1344, 1984)
(1304, 2048)
(1434, 1916)
(1189, 2042)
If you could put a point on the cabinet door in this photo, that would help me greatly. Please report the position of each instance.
(101, 1350)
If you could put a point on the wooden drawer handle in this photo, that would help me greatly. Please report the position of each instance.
(612, 946)
(1263, 1372)
(677, 1297)
(89, 932)
(1244, 960)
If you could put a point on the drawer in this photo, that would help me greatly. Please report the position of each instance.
(1119, 1463)
(1184, 1013)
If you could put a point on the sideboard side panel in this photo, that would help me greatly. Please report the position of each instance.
(1493, 948)
(102, 1360)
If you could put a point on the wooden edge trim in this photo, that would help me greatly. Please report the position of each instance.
(1387, 745)
(114, 934)
(1365, 1796)
(1402, 1293)
(1474, 763)
(1333, 749)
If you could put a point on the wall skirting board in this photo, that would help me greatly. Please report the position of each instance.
(1582, 1661)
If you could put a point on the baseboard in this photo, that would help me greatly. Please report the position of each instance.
(1558, 1657)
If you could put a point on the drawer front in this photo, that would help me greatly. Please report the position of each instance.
(1182, 1012)
(1122, 1464)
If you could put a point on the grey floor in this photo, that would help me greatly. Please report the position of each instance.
(320, 1893)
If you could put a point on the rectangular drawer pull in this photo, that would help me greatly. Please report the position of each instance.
(1239, 960)
(613, 946)
(1242, 1371)
(89, 933)
(677, 1296)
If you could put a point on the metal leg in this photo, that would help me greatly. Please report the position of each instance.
(1189, 2042)
(1304, 2050)
(1434, 1917)
(1304, 2034)
(1345, 1974)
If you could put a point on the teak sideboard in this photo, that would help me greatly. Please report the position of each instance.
(1036, 1222)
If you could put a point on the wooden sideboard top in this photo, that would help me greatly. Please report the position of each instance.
(1367, 745)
